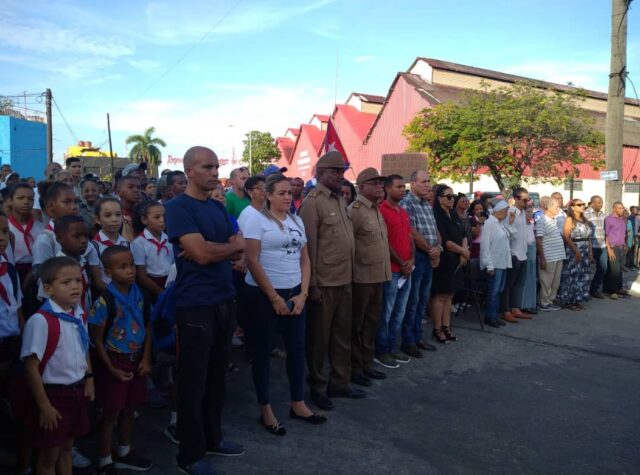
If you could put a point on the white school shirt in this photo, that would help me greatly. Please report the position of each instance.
(146, 253)
(495, 252)
(518, 232)
(9, 312)
(46, 245)
(68, 363)
(21, 251)
(100, 246)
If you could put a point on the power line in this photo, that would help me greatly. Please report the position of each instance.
(64, 120)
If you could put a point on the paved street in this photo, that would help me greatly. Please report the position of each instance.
(558, 394)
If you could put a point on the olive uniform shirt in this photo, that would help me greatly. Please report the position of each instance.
(372, 263)
(329, 238)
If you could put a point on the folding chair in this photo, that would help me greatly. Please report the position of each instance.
(474, 289)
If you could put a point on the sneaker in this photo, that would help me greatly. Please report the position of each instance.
(412, 350)
(109, 469)
(597, 295)
(133, 461)
(554, 308)
(201, 467)
(171, 431)
(613, 296)
(399, 357)
(236, 342)
(387, 361)
(226, 449)
(78, 460)
(545, 308)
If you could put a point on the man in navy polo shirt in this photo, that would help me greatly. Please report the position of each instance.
(204, 242)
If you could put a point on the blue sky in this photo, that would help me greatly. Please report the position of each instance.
(269, 65)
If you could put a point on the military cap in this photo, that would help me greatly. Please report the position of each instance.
(331, 159)
(368, 174)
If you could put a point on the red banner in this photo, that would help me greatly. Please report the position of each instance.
(332, 142)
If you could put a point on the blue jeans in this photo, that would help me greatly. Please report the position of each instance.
(418, 299)
(495, 286)
(394, 303)
(601, 258)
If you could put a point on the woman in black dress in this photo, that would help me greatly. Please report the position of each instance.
(455, 255)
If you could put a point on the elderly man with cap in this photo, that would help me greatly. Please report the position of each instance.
(331, 251)
(371, 268)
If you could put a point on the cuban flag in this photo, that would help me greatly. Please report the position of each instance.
(332, 143)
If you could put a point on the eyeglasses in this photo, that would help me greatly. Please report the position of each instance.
(449, 197)
(261, 188)
(582, 205)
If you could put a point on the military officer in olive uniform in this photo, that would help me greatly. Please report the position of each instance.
(371, 268)
(331, 251)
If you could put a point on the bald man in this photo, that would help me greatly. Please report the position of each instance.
(205, 242)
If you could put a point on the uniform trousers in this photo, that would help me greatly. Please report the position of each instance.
(329, 333)
(367, 301)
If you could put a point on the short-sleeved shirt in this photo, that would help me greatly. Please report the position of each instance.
(615, 229)
(68, 363)
(235, 204)
(398, 231)
(25, 240)
(372, 263)
(196, 284)
(248, 214)
(100, 242)
(421, 217)
(156, 256)
(280, 249)
(552, 242)
(597, 222)
(9, 310)
(127, 332)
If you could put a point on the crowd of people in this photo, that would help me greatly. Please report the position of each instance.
(102, 289)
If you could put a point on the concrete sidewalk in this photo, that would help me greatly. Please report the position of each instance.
(558, 394)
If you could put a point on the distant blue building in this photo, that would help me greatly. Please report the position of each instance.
(23, 145)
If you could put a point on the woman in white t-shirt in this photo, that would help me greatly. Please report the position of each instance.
(277, 287)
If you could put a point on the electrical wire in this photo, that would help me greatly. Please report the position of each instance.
(64, 119)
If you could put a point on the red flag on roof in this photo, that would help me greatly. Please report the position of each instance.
(332, 142)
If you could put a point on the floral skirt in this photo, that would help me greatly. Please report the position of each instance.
(575, 282)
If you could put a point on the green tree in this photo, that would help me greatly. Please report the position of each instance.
(146, 148)
(259, 150)
(507, 131)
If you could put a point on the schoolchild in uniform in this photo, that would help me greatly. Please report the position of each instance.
(57, 367)
(109, 219)
(152, 253)
(129, 191)
(123, 347)
(23, 226)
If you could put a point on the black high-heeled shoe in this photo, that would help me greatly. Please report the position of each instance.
(447, 332)
(439, 336)
(277, 429)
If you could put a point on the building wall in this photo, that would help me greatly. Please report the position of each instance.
(387, 136)
(23, 145)
(303, 160)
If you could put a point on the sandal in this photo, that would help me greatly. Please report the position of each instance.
(448, 333)
(572, 306)
(439, 336)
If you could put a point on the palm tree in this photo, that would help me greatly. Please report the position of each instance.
(146, 148)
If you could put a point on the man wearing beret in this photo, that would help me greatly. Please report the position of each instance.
(331, 251)
(371, 268)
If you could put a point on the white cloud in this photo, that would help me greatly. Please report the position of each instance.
(168, 25)
(327, 31)
(220, 120)
(586, 74)
(145, 65)
(363, 58)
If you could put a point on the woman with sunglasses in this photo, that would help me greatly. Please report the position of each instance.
(575, 282)
(455, 256)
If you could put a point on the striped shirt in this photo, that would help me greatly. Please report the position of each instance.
(421, 217)
(597, 221)
(552, 243)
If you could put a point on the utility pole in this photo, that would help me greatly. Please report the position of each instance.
(250, 152)
(110, 146)
(49, 127)
(615, 100)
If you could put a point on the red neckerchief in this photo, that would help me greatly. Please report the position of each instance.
(106, 242)
(4, 268)
(26, 230)
(49, 226)
(159, 245)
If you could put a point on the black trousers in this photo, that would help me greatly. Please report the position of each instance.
(514, 285)
(613, 277)
(204, 341)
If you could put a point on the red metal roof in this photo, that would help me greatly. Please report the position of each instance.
(630, 166)
(285, 145)
(360, 122)
(321, 117)
(294, 131)
(374, 98)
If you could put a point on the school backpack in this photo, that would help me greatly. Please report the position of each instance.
(112, 309)
(163, 319)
